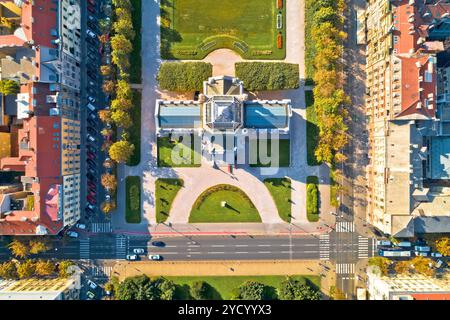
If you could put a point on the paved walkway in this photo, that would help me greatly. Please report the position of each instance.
(198, 179)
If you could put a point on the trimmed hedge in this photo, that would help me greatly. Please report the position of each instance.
(261, 76)
(133, 199)
(312, 198)
(183, 76)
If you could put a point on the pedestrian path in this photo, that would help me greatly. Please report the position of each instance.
(324, 246)
(345, 268)
(363, 247)
(121, 247)
(84, 249)
(101, 227)
(345, 226)
(101, 271)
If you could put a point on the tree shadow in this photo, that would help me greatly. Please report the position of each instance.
(168, 35)
(231, 208)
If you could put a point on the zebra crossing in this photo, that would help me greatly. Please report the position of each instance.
(345, 268)
(101, 271)
(363, 247)
(324, 247)
(101, 227)
(121, 247)
(84, 249)
(345, 226)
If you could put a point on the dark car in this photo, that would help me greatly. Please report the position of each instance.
(91, 163)
(91, 155)
(91, 177)
(91, 199)
(158, 244)
(91, 8)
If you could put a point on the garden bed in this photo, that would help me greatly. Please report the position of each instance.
(133, 199)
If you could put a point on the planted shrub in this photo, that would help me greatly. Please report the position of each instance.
(260, 76)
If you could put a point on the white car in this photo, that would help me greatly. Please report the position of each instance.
(80, 226)
(91, 34)
(138, 251)
(131, 257)
(155, 257)
(92, 284)
(90, 295)
(436, 255)
(72, 234)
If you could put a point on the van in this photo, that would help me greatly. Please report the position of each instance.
(404, 244)
(384, 243)
(422, 248)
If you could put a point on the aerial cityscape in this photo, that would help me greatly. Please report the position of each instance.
(233, 150)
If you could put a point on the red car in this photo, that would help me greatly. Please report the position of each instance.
(91, 155)
(91, 8)
(91, 199)
(92, 2)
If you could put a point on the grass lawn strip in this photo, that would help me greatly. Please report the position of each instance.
(166, 190)
(280, 189)
(191, 29)
(284, 152)
(133, 199)
(312, 198)
(223, 285)
(208, 208)
(165, 147)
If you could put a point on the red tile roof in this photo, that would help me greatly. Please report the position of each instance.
(431, 296)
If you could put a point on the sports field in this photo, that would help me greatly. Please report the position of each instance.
(191, 29)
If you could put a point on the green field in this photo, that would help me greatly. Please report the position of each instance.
(284, 152)
(133, 199)
(165, 192)
(223, 286)
(188, 155)
(280, 189)
(191, 29)
(239, 208)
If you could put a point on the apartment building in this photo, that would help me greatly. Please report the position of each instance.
(407, 176)
(408, 287)
(40, 49)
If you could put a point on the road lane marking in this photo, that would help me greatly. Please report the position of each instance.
(241, 252)
(264, 245)
(242, 245)
(218, 246)
(216, 252)
(264, 252)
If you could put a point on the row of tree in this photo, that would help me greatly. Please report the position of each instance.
(22, 249)
(329, 98)
(419, 264)
(160, 288)
(14, 269)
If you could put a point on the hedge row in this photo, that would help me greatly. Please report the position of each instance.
(312, 199)
(183, 76)
(261, 76)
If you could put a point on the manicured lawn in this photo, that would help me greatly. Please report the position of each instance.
(188, 156)
(280, 189)
(133, 199)
(312, 198)
(135, 57)
(135, 130)
(166, 190)
(191, 29)
(334, 188)
(223, 286)
(312, 130)
(238, 208)
(284, 153)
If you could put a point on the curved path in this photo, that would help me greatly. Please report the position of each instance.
(198, 180)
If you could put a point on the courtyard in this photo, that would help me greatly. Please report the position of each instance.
(191, 29)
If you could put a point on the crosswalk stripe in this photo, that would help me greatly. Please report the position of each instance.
(121, 247)
(324, 247)
(101, 271)
(101, 227)
(345, 268)
(345, 226)
(84, 249)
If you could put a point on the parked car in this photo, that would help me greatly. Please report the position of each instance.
(92, 284)
(422, 254)
(91, 177)
(155, 257)
(91, 155)
(422, 248)
(91, 199)
(91, 9)
(91, 18)
(91, 107)
(90, 295)
(131, 257)
(439, 263)
(90, 138)
(72, 234)
(138, 250)
(404, 244)
(91, 99)
(80, 226)
(436, 255)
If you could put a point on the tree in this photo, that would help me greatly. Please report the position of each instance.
(443, 246)
(336, 293)
(108, 164)
(105, 116)
(108, 206)
(250, 290)
(109, 181)
(122, 119)
(126, 4)
(19, 249)
(121, 151)
(201, 290)
(121, 103)
(423, 265)
(8, 270)
(124, 26)
(166, 288)
(123, 90)
(120, 45)
(108, 86)
(63, 268)
(26, 269)
(402, 267)
(38, 246)
(381, 263)
(8, 87)
(293, 289)
(44, 268)
(106, 70)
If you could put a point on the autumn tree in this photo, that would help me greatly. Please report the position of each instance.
(443, 246)
(121, 151)
(38, 246)
(423, 265)
(402, 267)
(44, 268)
(108, 86)
(109, 181)
(8, 270)
(105, 116)
(108, 206)
(381, 263)
(64, 267)
(7, 88)
(122, 119)
(19, 249)
(106, 70)
(26, 269)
